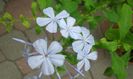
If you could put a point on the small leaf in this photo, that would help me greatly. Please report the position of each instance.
(118, 66)
(111, 15)
(38, 29)
(34, 8)
(108, 72)
(8, 21)
(111, 46)
(129, 39)
(125, 20)
(89, 4)
(126, 46)
(42, 4)
(130, 2)
(69, 5)
(25, 21)
(112, 34)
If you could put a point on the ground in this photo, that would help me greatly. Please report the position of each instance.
(14, 66)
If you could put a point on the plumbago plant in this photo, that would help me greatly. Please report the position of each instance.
(117, 39)
(49, 58)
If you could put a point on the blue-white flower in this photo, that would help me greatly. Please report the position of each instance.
(51, 21)
(68, 28)
(84, 56)
(84, 40)
(47, 57)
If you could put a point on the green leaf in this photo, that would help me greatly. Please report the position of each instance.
(126, 57)
(125, 20)
(70, 57)
(108, 72)
(42, 4)
(69, 5)
(111, 46)
(34, 8)
(129, 39)
(93, 21)
(61, 69)
(38, 29)
(25, 21)
(89, 4)
(130, 2)
(126, 46)
(112, 34)
(8, 21)
(119, 66)
(111, 15)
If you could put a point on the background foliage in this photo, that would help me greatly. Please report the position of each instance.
(118, 38)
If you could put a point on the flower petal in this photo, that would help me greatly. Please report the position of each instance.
(77, 46)
(62, 14)
(75, 33)
(87, 49)
(40, 46)
(52, 27)
(87, 65)
(42, 21)
(35, 61)
(49, 12)
(92, 55)
(80, 55)
(62, 24)
(80, 65)
(54, 47)
(57, 59)
(85, 32)
(47, 67)
(70, 21)
(90, 40)
(64, 33)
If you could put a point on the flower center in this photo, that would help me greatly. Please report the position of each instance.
(54, 19)
(46, 55)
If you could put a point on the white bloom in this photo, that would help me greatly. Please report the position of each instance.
(84, 56)
(52, 20)
(84, 40)
(68, 29)
(47, 58)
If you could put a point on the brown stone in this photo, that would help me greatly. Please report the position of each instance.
(23, 66)
(2, 57)
(18, 7)
(2, 29)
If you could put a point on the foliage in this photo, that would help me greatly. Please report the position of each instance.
(92, 12)
(25, 21)
(8, 21)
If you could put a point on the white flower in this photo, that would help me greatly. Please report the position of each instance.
(84, 40)
(84, 56)
(47, 58)
(68, 29)
(52, 20)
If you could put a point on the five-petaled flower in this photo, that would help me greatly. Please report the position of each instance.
(52, 20)
(46, 58)
(84, 56)
(68, 29)
(84, 40)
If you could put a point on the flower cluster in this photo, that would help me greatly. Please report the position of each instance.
(48, 58)
(83, 39)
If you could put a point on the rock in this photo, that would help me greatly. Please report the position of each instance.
(8, 70)
(10, 48)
